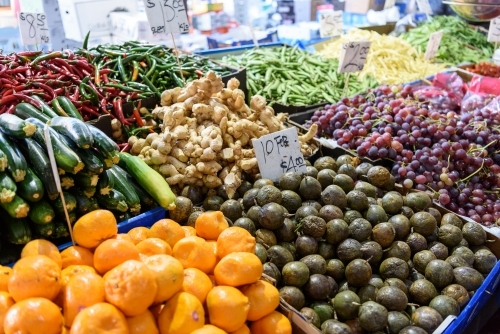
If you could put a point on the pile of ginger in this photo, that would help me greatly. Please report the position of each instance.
(207, 133)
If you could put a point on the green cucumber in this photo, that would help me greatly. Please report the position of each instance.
(113, 201)
(145, 198)
(106, 182)
(17, 231)
(15, 127)
(86, 180)
(89, 191)
(121, 184)
(8, 188)
(61, 230)
(65, 157)
(3, 161)
(31, 188)
(149, 179)
(70, 204)
(83, 203)
(46, 109)
(15, 160)
(104, 144)
(17, 208)
(41, 212)
(69, 107)
(74, 129)
(25, 110)
(40, 164)
(67, 182)
(56, 106)
(45, 230)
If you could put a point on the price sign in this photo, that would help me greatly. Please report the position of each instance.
(278, 153)
(34, 28)
(353, 56)
(166, 16)
(331, 24)
(494, 31)
(424, 6)
(433, 45)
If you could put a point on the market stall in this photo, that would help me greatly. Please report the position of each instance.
(270, 191)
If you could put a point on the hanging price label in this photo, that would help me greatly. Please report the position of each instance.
(494, 31)
(34, 29)
(424, 6)
(331, 24)
(353, 56)
(166, 16)
(433, 45)
(278, 153)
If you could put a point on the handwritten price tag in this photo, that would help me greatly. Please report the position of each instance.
(34, 28)
(494, 31)
(278, 153)
(331, 24)
(166, 16)
(433, 45)
(353, 56)
(424, 6)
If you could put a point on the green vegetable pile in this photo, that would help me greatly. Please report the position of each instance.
(460, 42)
(290, 76)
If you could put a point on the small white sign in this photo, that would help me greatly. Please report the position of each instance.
(353, 56)
(494, 31)
(166, 16)
(424, 6)
(278, 153)
(389, 4)
(34, 28)
(331, 24)
(433, 45)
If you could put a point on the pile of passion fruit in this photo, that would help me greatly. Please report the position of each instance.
(352, 254)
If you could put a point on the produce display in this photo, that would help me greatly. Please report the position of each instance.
(290, 76)
(391, 60)
(486, 69)
(349, 251)
(145, 281)
(206, 136)
(460, 42)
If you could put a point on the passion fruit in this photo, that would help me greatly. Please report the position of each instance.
(394, 267)
(311, 171)
(362, 169)
(378, 176)
(334, 195)
(396, 321)
(271, 270)
(360, 229)
(484, 261)
(232, 209)
(458, 293)
(266, 238)
(465, 253)
(417, 242)
(325, 162)
(295, 273)
(325, 177)
(351, 215)
(368, 189)
(317, 287)
(439, 273)
(348, 250)
(422, 291)
(440, 250)
(371, 251)
(310, 188)
(326, 250)
(375, 215)
(445, 306)
(423, 223)
(384, 234)
(305, 211)
(330, 212)
(418, 201)
(348, 170)
(400, 250)
(344, 181)
(393, 299)
(313, 226)
(392, 202)
(373, 316)
(474, 234)
(212, 203)
(357, 200)
(311, 316)
(346, 305)
(367, 293)
(358, 273)
(194, 193)
(452, 219)
(422, 259)
(332, 326)
(337, 230)
(290, 181)
(262, 182)
(427, 318)
(293, 296)
(456, 261)
(306, 245)
(249, 198)
(316, 263)
(268, 194)
(335, 269)
(450, 235)
(401, 226)
(469, 278)
(271, 216)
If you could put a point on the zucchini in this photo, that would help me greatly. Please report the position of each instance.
(25, 110)
(144, 197)
(94, 205)
(112, 201)
(17, 208)
(18, 231)
(61, 230)
(104, 144)
(46, 109)
(3, 161)
(67, 182)
(122, 216)
(73, 217)
(86, 180)
(65, 157)
(31, 188)
(13, 126)
(83, 203)
(41, 212)
(74, 129)
(70, 204)
(8, 188)
(40, 164)
(106, 162)
(106, 182)
(45, 230)
(149, 179)
(69, 107)
(121, 184)
(89, 191)
(15, 160)
(93, 165)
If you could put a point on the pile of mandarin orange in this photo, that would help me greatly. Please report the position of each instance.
(165, 279)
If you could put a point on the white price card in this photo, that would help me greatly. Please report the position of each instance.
(494, 31)
(424, 6)
(353, 56)
(331, 24)
(278, 153)
(34, 28)
(433, 45)
(166, 16)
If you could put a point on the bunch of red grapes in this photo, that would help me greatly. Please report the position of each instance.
(453, 154)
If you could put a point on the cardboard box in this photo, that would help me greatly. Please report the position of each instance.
(81, 16)
(363, 6)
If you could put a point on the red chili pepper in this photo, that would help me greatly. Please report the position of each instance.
(104, 107)
(63, 71)
(90, 110)
(105, 71)
(117, 106)
(82, 64)
(199, 73)
(126, 148)
(63, 64)
(137, 115)
(46, 88)
(131, 120)
(59, 91)
(19, 70)
(10, 110)
(70, 53)
(29, 53)
(3, 109)
(105, 78)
